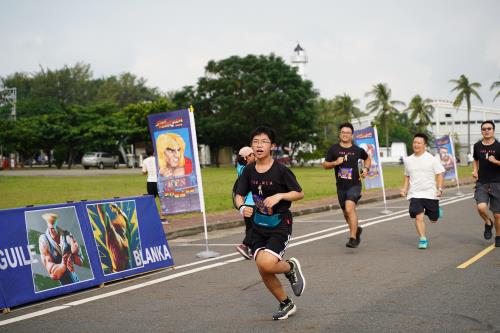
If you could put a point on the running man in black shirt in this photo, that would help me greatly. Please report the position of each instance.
(344, 157)
(486, 170)
(273, 188)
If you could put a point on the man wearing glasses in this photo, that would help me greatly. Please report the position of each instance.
(344, 157)
(486, 171)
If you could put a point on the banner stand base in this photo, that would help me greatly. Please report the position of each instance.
(6, 310)
(207, 254)
(459, 193)
(386, 212)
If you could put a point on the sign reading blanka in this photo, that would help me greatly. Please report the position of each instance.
(54, 250)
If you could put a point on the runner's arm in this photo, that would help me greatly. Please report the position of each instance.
(55, 271)
(406, 184)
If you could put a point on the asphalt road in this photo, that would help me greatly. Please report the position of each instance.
(385, 285)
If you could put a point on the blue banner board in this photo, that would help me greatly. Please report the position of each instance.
(48, 251)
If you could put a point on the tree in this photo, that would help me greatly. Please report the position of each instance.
(384, 106)
(421, 110)
(326, 122)
(346, 108)
(465, 89)
(136, 115)
(495, 85)
(238, 94)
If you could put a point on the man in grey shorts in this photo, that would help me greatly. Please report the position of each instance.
(486, 171)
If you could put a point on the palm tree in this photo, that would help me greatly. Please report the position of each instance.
(385, 107)
(421, 110)
(495, 84)
(465, 89)
(347, 108)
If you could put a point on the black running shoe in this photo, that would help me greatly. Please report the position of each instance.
(353, 242)
(296, 278)
(285, 310)
(487, 230)
(497, 241)
(358, 234)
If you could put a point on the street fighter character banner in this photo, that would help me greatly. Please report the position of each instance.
(174, 140)
(49, 251)
(366, 138)
(446, 153)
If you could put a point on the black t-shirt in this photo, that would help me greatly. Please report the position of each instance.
(488, 172)
(347, 173)
(278, 179)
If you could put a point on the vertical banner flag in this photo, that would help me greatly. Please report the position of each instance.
(175, 152)
(366, 138)
(444, 146)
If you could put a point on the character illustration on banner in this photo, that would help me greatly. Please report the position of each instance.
(59, 251)
(116, 234)
(171, 159)
(370, 150)
(446, 159)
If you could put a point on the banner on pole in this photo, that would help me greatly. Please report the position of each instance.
(172, 136)
(444, 146)
(366, 139)
(54, 250)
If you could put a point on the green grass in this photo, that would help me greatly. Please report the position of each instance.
(217, 184)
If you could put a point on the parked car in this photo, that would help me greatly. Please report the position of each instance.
(99, 160)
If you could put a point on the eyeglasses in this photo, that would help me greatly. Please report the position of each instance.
(346, 133)
(484, 129)
(261, 142)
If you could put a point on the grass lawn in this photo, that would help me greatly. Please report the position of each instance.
(217, 184)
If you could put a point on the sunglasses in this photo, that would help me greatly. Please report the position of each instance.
(484, 129)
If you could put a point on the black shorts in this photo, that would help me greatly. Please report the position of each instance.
(275, 240)
(488, 193)
(428, 206)
(152, 188)
(352, 193)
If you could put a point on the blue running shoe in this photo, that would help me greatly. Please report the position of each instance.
(423, 243)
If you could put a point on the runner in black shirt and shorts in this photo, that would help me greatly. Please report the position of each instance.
(486, 168)
(344, 157)
(273, 187)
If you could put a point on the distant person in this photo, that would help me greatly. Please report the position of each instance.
(149, 168)
(246, 157)
(344, 157)
(273, 188)
(422, 172)
(486, 172)
(171, 160)
(59, 251)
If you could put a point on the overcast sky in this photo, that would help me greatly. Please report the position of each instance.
(413, 46)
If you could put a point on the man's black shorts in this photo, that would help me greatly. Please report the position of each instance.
(275, 240)
(429, 206)
(352, 193)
